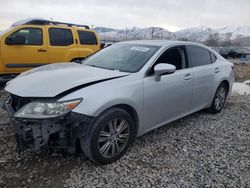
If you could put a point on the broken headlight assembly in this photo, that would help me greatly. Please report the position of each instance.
(42, 110)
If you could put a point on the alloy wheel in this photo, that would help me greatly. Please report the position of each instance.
(220, 98)
(113, 138)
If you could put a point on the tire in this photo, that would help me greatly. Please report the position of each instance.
(103, 144)
(219, 99)
(2, 85)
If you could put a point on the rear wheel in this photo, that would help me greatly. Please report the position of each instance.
(219, 99)
(109, 137)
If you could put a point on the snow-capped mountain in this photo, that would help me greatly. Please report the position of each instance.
(198, 34)
(236, 31)
(195, 33)
(134, 33)
(203, 33)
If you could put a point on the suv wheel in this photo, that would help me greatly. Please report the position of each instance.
(219, 99)
(109, 136)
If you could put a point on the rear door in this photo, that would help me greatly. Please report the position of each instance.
(204, 76)
(62, 45)
(18, 58)
(88, 42)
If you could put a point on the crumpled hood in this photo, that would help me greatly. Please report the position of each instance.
(51, 80)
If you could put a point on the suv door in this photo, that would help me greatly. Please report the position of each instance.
(88, 43)
(20, 57)
(169, 98)
(204, 76)
(62, 46)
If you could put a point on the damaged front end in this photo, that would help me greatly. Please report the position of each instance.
(59, 132)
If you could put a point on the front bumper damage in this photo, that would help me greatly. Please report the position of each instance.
(56, 133)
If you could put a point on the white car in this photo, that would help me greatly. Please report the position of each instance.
(117, 94)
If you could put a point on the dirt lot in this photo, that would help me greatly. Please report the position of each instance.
(242, 70)
(201, 150)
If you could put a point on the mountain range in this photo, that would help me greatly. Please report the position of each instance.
(238, 36)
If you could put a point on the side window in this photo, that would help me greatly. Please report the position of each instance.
(198, 56)
(174, 56)
(87, 38)
(33, 36)
(213, 57)
(60, 37)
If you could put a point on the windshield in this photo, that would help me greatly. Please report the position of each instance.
(122, 57)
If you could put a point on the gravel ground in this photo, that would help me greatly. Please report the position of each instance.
(201, 150)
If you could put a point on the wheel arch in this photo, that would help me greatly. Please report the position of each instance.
(226, 82)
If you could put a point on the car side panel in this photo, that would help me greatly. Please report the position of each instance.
(226, 74)
(203, 86)
(99, 97)
(169, 98)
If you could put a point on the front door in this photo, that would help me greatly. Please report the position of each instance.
(18, 58)
(169, 98)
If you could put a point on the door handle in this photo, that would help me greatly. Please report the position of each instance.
(217, 69)
(41, 50)
(187, 76)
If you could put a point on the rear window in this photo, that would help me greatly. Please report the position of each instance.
(87, 37)
(198, 56)
(60, 37)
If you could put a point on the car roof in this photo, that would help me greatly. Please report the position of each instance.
(163, 43)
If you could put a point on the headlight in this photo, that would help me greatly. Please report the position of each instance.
(40, 110)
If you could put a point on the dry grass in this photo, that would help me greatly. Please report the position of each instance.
(242, 72)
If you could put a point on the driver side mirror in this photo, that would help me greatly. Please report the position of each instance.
(163, 68)
(17, 40)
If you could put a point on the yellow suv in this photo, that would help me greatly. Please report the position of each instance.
(34, 42)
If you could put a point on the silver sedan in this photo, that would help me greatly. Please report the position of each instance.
(115, 95)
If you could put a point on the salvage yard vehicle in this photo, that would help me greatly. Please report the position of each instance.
(115, 95)
(34, 42)
(231, 53)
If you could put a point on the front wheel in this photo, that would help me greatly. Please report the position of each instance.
(219, 99)
(109, 136)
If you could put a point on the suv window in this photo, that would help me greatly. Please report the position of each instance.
(87, 38)
(60, 37)
(33, 36)
(198, 56)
